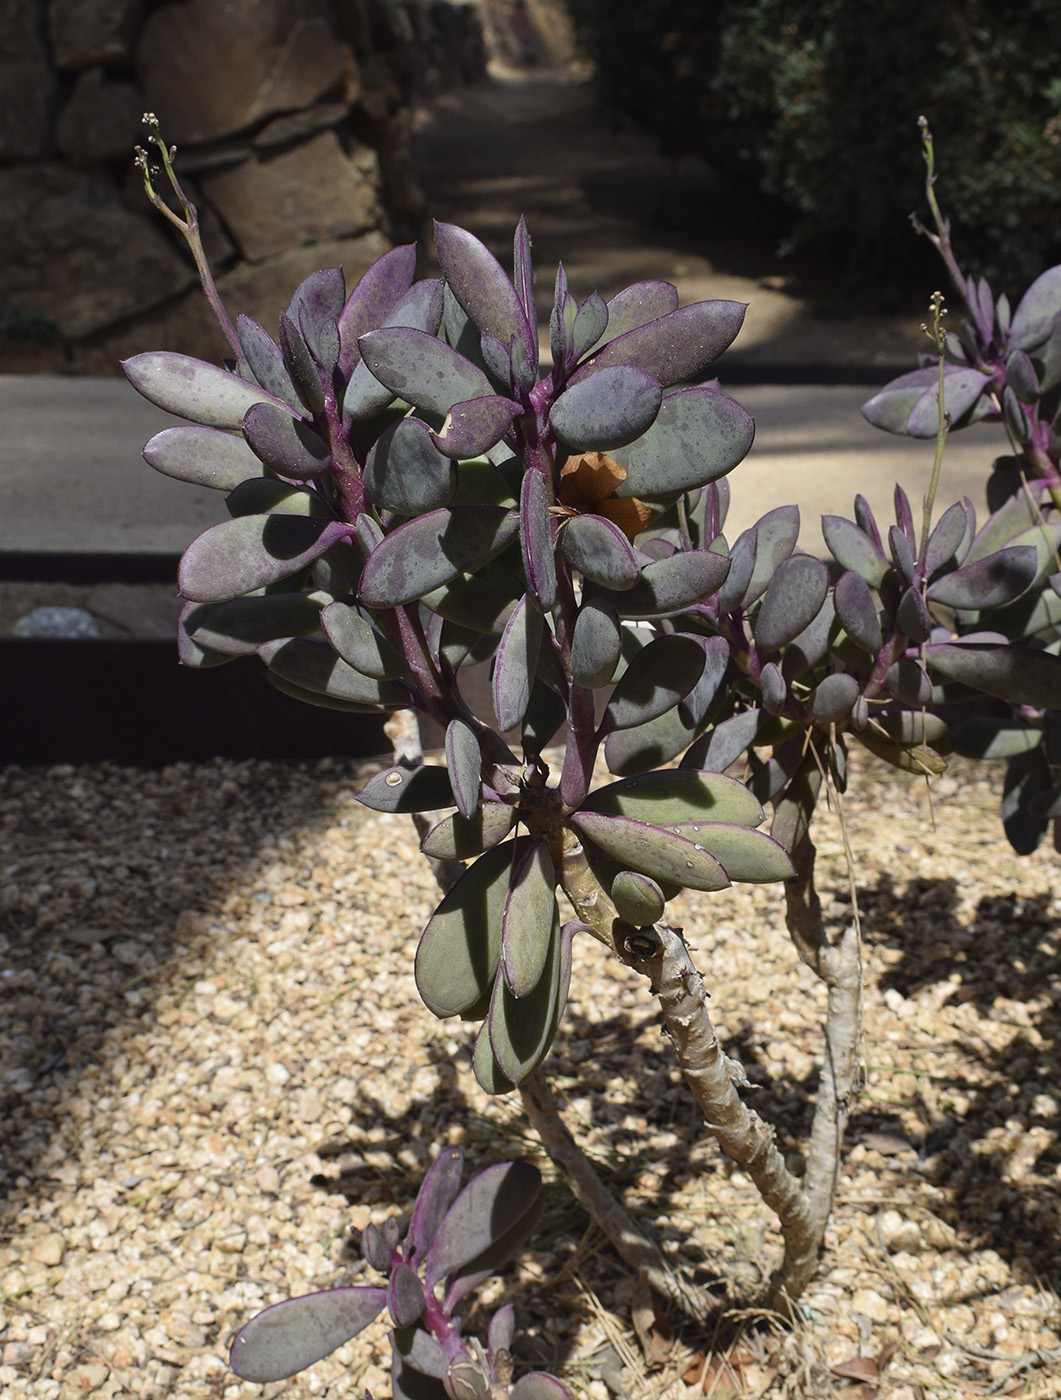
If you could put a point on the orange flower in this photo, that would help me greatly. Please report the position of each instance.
(588, 484)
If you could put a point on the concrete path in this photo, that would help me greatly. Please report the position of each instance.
(72, 478)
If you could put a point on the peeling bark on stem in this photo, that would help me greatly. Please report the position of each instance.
(643, 1257)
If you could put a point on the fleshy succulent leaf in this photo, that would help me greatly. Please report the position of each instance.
(724, 743)
(608, 410)
(744, 854)
(406, 473)
(421, 369)
(242, 625)
(432, 550)
(600, 551)
(486, 1211)
(361, 645)
(420, 309)
(478, 281)
(652, 850)
(678, 795)
(193, 389)
(475, 425)
(526, 925)
(202, 457)
(265, 360)
(316, 669)
(285, 444)
(516, 663)
(461, 838)
(698, 435)
(637, 898)
(397, 789)
(1022, 675)
(988, 582)
(853, 549)
(437, 1193)
(405, 1295)
(239, 556)
(536, 540)
(792, 600)
(464, 761)
(675, 347)
(637, 305)
(521, 1029)
(857, 612)
(834, 698)
(289, 1336)
(1037, 312)
(659, 676)
(460, 948)
(591, 321)
(596, 643)
(669, 586)
(373, 298)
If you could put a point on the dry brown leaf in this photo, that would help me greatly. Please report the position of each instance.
(859, 1368)
(652, 1328)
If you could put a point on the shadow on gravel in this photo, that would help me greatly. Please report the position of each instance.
(109, 880)
(993, 1139)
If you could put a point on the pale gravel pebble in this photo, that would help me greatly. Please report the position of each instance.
(215, 1065)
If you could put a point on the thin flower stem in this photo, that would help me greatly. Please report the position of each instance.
(937, 335)
(189, 226)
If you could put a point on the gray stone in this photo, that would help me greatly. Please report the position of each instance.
(210, 68)
(92, 31)
(296, 126)
(309, 193)
(57, 622)
(101, 120)
(27, 82)
(75, 257)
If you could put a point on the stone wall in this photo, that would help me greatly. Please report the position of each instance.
(292, 121)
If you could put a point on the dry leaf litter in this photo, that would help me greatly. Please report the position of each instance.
(215, 1065)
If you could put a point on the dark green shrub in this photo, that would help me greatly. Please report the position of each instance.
(814, 100)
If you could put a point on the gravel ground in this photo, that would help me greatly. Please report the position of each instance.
(214, 1064)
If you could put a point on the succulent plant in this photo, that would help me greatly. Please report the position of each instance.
(455, 1241)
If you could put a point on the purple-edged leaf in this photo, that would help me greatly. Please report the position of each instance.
(375, 1248)
(948, 535)
(265, 360)
(522, 1029)
(990, 582)
(462, 838)
(423, 1356)
(853, 549)
(1022, 378)
(287, 445)
(374, 297)
(834, 698)
(193, 389)
(660, 675)
(982, 737)
(910, 404)
(774, 688)
(608, 410)
(465, 762)
(459, 952)
(406, 473)
(484, 1066)
(539, 1385)
(527, 923)
(265, 495)
(791, 602)
(497, 360)
(559, 329)
(478, 281)
(652, 850)
(502, 1330)
(536, 540)
(912, 727)
(305, 372)
(315, 669)
(857, 612)
(723, 744)
(425, 553)
(1005, 525)
(600, 551)
(698, 435)
(903, 554)
(406, 1380)
(420, 309)
(676, 347)
(794, 811)
(908, 682)
(317, 306)
(292, 1335)
(361, 645)
(422, 369)
(678, 795)
(637, 305)
(637, 898)
(747, 856)
(913, 616)
(904, 516)
(438, 1191)
(775, 538)
(1022, 675)
(397, 789)
(591, 321)
(405, 1296)
(672, 585)
(240, 626)
(523, 270)
(239, 556)
(486, 1211)
(596, 643)
(475, 425)
(1039, 308)
(742, 564)
(203, 457)
(516, 662)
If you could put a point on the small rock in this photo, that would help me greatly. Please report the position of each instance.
(51, 621)
(92, 31)
(87, 1378)
(233, 1243)
(870, 1302)
(898, 1233)
(277, 1073)
(268, 1178)
(48, 1250)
